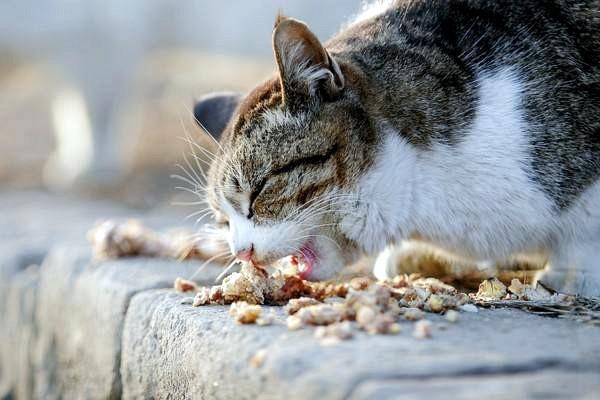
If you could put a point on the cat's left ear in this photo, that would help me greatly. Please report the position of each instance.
(305, 66)
(213, 111)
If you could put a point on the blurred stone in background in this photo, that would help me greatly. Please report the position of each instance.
(94, 94)
(26, 136)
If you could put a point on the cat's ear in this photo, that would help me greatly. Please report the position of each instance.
(213, 111)
(305, 66)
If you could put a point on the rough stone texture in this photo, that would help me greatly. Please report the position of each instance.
(17, 332)
(18, 293)
(184, 352)
(80, 311)
(553, 384)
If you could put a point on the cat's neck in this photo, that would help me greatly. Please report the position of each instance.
(441, 193)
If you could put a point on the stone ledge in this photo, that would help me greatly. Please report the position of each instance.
(170, 348)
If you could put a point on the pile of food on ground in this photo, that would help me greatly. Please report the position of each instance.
(336, 309)
(492, 290)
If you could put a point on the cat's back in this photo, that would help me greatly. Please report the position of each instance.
(549, 49)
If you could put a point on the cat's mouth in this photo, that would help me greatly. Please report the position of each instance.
(305, 260)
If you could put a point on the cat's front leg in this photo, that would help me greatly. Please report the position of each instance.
(574, 268)
(402, 258)
(385, 266)
(364, 224)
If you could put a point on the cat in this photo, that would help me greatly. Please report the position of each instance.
(472, 125)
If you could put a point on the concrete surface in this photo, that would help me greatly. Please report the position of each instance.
(73, 328)
(201, 353)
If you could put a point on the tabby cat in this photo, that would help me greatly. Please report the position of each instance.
(473, 125)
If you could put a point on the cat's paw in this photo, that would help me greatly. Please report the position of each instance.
(571, 281)
(386, 266)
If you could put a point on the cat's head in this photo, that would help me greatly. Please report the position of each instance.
(290, 152)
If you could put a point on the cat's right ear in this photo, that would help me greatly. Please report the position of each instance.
(213, 111)
(305, 66)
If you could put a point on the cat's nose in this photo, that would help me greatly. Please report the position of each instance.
(246, 253)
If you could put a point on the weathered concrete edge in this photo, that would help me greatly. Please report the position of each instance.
(24, 318)
(542, 365)
(19, 277)
(150, 279)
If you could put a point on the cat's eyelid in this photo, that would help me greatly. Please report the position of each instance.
(254, 195)
(309, 160)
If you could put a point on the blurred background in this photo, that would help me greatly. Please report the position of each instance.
(95, 95)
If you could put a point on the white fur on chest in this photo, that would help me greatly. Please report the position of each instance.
(473, 197)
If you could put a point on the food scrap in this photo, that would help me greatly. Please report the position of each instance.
(255, 285)
(451, 316)
(334, 308)
(422, 329)
(183, 285)
(111, 239)
(491, 289)
(334, 333)
(258, 359)
(528, 292)
(294, 305)
(245, 313)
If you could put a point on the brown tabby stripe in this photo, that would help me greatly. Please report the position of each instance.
(266, 95)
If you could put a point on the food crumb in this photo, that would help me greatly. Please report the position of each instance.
(183, 285)
(413, 314)
(202, 297)
(451, 316)
(258, 359)
(382, 324)
(334, 333)
(491, 289)
(528, 292)
(294, 305)
(365, 315)
(395, 328)
(319, 314)
(265, 320)
(245, 313)
(293, 322)
(422, 329)
(435, 303)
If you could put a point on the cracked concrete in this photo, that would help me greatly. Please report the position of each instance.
(74, 328)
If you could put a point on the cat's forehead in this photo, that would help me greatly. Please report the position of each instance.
(265, 97)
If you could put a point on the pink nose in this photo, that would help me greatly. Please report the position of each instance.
(245, 254)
